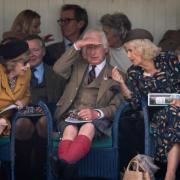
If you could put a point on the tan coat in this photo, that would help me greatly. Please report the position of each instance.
(73, 67)
(21, 91)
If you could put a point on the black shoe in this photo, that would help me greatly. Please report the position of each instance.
(56, 167)
(63, 170)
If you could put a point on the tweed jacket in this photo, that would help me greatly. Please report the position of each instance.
(73, 67)
(54, 52)
(21, 91)
(50, 90)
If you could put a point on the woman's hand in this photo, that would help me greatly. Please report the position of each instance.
(117, 76)
(20, 104)
(48, 38)
(176, 102)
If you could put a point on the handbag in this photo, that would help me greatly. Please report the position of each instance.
(135, 172)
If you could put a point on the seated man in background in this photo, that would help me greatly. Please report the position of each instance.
(170, 40)
(90, 93)
(45, 85)
(73, 21)
(116, 27)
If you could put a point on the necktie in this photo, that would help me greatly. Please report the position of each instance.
(34, 79)
(92, 74)
(70, 45)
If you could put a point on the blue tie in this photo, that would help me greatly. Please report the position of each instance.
(34, 79)
(92, 74)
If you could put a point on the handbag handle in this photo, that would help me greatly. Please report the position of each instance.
(137, 165)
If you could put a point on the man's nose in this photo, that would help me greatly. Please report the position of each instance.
(93, 50)
(128, 54)
(39, 31)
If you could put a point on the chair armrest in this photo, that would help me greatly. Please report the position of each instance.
(148, 149)
(116, 123)
(49, 117)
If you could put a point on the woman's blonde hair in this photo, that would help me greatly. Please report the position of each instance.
(10, 64)
(23, 21)
(146, 48)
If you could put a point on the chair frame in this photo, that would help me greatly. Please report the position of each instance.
(106, 159)
(7, 152)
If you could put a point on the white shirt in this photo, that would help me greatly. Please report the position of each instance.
(68, 44)
(39, 73)
(98, 68)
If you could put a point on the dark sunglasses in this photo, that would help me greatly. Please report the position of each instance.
(65, 21)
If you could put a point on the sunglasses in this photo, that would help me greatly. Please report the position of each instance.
(65, 20)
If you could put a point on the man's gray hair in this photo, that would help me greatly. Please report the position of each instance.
(101, 33)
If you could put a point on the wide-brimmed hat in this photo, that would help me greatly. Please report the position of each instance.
(13, 49)
(138, 34)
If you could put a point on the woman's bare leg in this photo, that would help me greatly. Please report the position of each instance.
(172, 162)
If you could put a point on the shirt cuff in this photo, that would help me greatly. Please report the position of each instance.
(101, 113)
(75, 47)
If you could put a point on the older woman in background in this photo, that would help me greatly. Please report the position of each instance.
(116, 27)
(155, 72)
(14, 79)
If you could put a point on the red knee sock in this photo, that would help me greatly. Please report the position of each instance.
(78, 149)
(63, 148)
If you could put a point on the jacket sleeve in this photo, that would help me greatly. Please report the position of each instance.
(26, 94)
(110, 110)
(63, 65)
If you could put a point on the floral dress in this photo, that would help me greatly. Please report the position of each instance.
(165, 122)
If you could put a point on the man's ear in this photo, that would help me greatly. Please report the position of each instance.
(81, 24)
(44, 51)
(106, 50)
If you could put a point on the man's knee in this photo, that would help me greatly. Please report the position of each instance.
(88, 130)
(70, 132)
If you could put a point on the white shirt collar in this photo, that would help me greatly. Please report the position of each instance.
(39, 72)
(67, 42)
(98, 68)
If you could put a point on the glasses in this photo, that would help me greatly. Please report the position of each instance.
(65, 20)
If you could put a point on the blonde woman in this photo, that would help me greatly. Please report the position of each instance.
(155, 72)
(26, 22)
(14, 79)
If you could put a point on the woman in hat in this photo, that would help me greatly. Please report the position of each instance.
(156, 72)
(14, 79)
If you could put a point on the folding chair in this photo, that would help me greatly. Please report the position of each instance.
(103, 159)
(7, 145)
(48, 115)
(148, 139)
(7, 151)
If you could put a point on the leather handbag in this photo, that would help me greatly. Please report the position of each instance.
(135, 172)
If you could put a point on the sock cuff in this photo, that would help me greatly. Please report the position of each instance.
(63, 147)
(82, 138)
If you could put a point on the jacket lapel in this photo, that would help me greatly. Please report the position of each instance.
(106, 82)
(81, 73)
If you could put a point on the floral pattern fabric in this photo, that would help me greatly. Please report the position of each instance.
(165, 122)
